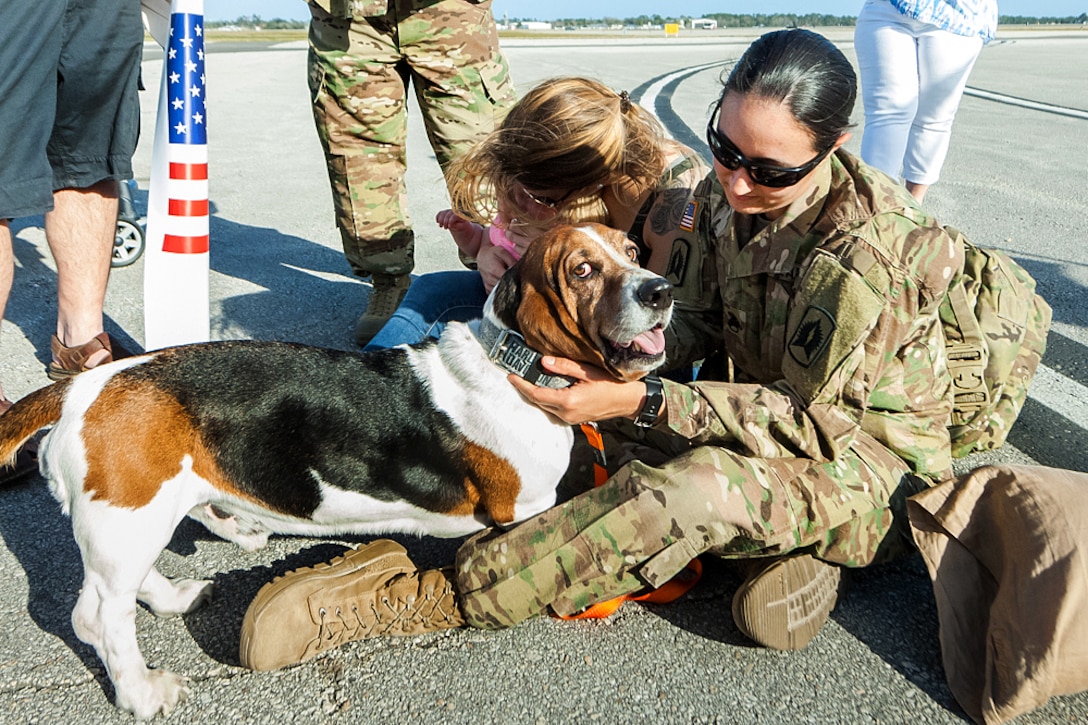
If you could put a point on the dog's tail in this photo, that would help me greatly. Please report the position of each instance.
(28, 416)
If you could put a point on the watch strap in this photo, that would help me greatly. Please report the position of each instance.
(651, 407)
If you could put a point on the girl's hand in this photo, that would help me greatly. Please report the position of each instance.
(468, 236)
(493, 262)
(522, 234)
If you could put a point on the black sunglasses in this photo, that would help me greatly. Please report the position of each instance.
(729, 156)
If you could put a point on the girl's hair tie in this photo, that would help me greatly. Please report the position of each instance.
(625, 102)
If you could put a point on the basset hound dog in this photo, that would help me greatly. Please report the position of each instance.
(253, 438)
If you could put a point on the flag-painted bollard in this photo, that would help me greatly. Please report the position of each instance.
(176, 306)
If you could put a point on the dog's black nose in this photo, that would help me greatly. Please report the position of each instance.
(656, 293)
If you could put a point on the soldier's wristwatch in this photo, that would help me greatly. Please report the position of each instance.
(655, 397)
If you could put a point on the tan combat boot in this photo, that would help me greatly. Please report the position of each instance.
(386, 295)
(370, 591)
(784, 604)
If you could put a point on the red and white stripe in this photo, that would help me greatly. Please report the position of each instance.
(187, 220)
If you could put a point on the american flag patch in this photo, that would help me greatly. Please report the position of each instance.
(687, 221)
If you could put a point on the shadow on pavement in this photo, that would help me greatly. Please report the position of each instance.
(308, 293)
(47, 552)
(216, 627)
(889, 608)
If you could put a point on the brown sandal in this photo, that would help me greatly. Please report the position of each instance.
(26, 458)
(69, 361)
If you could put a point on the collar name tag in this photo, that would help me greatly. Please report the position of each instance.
(511, 353)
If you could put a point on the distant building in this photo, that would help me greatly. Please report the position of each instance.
(704, 24)
(534, 25)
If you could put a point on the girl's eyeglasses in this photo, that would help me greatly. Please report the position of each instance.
(547, 201)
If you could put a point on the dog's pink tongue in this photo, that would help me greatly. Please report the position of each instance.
(651, 342)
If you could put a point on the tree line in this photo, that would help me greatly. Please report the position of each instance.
(255, 21)
(1024, 20)
(781, 20)
(725, 20)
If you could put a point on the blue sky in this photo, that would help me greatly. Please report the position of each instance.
(551, 9)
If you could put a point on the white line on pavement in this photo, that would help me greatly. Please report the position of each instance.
(1024, 103)
(1064, 396)
(649, 98)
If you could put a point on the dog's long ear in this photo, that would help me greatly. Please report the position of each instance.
(506, 297)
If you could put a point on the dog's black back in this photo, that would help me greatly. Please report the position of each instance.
(349, 419)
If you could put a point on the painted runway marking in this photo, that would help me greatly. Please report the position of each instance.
(1025, 103)
(1064, 396)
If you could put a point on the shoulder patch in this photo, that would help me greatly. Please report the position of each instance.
(812, 336)
(678, 262)
(687, 219)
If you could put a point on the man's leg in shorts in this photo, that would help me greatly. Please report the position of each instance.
(80, 230)
(29, 47)
(100, 63)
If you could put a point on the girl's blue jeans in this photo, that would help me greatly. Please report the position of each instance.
(433, 300)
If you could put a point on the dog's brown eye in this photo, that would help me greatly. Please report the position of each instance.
(583, 270)
(632, 253)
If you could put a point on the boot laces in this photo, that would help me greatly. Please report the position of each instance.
(385, 615)
(385, 297)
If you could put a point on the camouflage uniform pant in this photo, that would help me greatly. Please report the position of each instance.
(359, 70)
(648, 521)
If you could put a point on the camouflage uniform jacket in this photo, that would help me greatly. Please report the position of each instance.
(830, 321)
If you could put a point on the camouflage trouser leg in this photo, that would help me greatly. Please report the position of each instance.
(641, 527)
(461, 77)
(359, 71)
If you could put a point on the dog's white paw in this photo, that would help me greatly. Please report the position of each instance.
(186, 596)
(159, 693)
(253, 540)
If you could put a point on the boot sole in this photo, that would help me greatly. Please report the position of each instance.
(786, 605)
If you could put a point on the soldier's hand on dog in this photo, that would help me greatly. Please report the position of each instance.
(594, 396)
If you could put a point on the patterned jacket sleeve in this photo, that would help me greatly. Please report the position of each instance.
(865, 351)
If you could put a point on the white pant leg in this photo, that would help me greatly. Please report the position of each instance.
(944, 63)
(888, 64)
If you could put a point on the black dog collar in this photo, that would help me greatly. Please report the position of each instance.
(507, 349)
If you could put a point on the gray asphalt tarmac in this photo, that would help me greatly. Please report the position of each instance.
(1016, 178)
